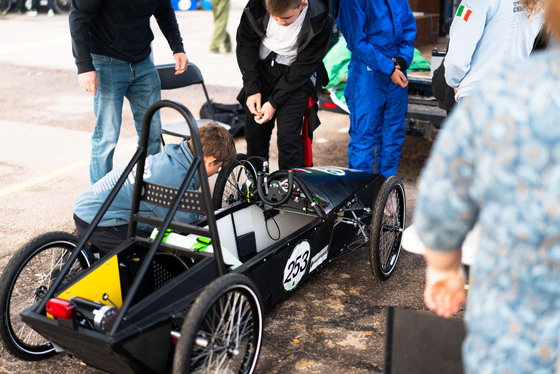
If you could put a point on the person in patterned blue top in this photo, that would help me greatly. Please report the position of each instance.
(497, 163)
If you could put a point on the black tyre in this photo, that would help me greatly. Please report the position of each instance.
(62, 6)
(5, 6)
(387, 228)
(235, 182)
(223, 330)
(25, 281)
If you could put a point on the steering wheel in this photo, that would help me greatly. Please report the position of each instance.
(278, 189)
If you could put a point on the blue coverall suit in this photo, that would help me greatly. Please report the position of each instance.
(376, 31)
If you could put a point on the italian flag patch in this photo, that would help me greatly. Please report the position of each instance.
(464, 13)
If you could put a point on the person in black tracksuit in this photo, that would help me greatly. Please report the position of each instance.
(280, 53)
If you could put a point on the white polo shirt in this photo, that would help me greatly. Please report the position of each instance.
(282, 40)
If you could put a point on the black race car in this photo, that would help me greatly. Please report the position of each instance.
(191, 298)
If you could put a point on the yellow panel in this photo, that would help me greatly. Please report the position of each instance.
(104, 279)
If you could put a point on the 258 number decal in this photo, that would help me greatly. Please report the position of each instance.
(297, 265)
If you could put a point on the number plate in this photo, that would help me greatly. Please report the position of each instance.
(297, 265)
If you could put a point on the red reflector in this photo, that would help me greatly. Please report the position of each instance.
(60, 308)
(174, 341)
(329, 105)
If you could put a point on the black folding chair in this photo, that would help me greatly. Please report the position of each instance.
(170, 81)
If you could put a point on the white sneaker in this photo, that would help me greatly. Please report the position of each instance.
(50, 13)
(31, 13)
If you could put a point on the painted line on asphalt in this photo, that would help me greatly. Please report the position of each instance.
(53, 174)
(26, 46)
(43, 178)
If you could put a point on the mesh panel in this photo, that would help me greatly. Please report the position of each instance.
(163, 196)
(165, 268)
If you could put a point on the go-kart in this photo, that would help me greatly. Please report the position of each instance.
(191, 297)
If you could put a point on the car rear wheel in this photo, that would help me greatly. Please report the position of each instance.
(25, 281)
(387, 228)
(223, 330)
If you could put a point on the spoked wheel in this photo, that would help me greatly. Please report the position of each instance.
(223, 330)
(25, 281)
(62, 6)
(235, 182)
(387, 228)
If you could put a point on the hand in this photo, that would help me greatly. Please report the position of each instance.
(399, 78)
(254, 104)
(89, 81)
(445, 290)
(266, 114)
(181, 63)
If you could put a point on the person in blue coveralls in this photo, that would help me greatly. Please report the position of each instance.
(380, 34)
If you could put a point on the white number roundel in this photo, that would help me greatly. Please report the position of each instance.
(296, 265)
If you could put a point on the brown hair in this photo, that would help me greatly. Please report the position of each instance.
(531, 6)
(552, 16)
(216, 142)
(279, 7)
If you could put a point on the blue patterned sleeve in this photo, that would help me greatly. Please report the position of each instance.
(445, 209)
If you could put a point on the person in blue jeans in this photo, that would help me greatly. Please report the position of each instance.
(111, 46)
(380, 34)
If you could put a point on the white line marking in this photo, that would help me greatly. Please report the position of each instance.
(26, 46)
(55, 174)
(43, 178)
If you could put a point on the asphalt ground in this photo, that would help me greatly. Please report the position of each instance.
(335, 322)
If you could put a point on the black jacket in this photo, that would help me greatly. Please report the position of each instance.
(313, 44)
(119, 29)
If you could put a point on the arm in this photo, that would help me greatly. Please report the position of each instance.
(463, 39)
(82, 14)
(165, 17)
(167, 21)
(248, 42)
(406, 48)
(445, 282)
(446, 209)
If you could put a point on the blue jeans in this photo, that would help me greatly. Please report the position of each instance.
(140, 84)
